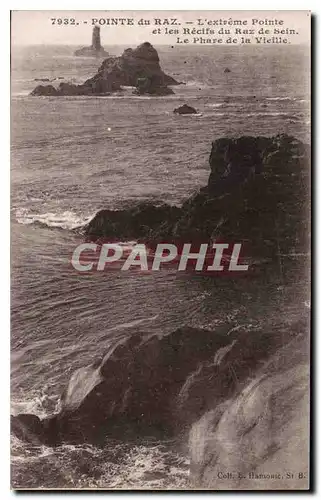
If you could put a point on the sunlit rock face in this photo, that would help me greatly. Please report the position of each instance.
(258, 439)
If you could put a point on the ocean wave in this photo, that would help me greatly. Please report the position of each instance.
(200, 84)
(104, 97)
(117, 465)
(254, 114)
(216, 105)
(41, 403)
(21, 94)
(65, 220)
(275, 113)
(191, 115)
(286, 98)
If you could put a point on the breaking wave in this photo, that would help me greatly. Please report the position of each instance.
(65, 220)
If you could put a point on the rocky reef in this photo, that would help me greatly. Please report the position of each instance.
(185, 110)
(96, 49)
(138, 68)
(256, 194)
(70, 89)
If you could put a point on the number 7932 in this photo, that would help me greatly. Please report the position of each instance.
(63, 21)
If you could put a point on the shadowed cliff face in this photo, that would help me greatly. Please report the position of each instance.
(156, 387)
(135, 67)
(256, 194)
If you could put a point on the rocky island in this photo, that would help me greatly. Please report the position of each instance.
(138, 68)
(185, 110)
(96, 49)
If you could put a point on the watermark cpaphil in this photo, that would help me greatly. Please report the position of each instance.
(217, 257)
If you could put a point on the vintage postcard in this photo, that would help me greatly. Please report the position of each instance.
(160, 295)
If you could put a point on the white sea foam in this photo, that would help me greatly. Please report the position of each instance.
(281, 98)
(64, 220)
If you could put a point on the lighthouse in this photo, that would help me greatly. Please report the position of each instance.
(96, 45)
(96, 49)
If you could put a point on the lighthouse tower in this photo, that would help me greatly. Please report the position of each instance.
(96, 49)
(96, 45)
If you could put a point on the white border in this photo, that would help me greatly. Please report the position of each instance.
(314, 6)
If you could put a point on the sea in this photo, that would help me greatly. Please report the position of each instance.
(72, 156)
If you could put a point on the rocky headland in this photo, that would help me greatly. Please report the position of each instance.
(138, 68)
(255, 195)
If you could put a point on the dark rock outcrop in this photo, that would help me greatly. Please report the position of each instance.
(96, 49)
(143, 221)
(142, 62)
(138, 68)
(70, 89)
(185, 110)
(45, 90)
(151, 387)
(256, 194)
(227, 70)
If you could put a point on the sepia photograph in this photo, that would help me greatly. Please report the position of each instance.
(160, 250)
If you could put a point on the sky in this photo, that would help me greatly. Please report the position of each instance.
(37, 27)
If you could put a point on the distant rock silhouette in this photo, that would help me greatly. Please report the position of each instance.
(185, 110)
(227, 70)
(45, 90)
(96, 49)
